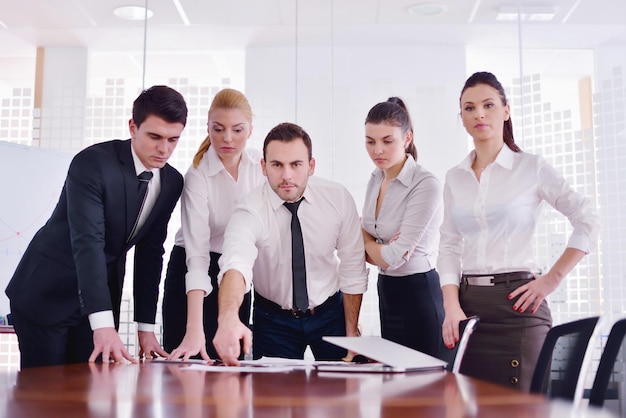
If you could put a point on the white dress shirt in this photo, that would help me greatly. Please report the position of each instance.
(488, 226)
(104, 319)
(257, 243)
(413, 205)
(208, 200)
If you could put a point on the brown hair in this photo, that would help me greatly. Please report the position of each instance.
(491, 80)
(287, 132)
(393, 112)
(224, 99)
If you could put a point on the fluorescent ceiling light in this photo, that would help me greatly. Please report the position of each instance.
(427, 9)
(530, 14)
(181, 13)
(132, 12)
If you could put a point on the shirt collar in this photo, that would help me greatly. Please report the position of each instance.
(277, 202)
(504, 159)
(215, 165)
(139, 167)
(405, 176)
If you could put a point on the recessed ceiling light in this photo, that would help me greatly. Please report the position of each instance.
(533, 14)
(132, 12)
(427, 9)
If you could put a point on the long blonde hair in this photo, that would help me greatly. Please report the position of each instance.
(224, 99)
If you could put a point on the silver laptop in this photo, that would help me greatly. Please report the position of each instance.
(391, 357)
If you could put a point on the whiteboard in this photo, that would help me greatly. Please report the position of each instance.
(31, 180)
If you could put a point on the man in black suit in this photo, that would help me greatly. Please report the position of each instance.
(66, 291)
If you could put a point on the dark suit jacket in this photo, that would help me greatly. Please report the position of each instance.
(76, 261)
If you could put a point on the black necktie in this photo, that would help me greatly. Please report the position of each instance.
(298, 265)
(142, 193)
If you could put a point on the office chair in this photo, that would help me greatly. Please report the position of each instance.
(564, 359)
(611, 366)
(466, 328)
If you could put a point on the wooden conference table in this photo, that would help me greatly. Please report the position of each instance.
(166, 390)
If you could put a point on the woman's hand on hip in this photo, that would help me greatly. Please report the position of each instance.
(533, 293)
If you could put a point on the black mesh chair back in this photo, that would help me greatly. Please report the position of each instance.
(466, 328)
(564, 359)
(610, 380)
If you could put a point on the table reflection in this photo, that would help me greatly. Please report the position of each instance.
(163, 390)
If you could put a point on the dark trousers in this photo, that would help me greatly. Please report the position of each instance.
(411, 311)
(70, 341)
(277, 333)
(175, 303)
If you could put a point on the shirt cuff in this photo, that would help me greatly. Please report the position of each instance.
(242, 268)
(354, 285)
(387, 253)
(579, 242)
(141, 326)
(198, 280)
(102, 319)
(449, 278)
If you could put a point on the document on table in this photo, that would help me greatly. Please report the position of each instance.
(262, 365)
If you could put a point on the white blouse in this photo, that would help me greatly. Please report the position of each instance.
(488, 226)
(413, 205)
(208, 200)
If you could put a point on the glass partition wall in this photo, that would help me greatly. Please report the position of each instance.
(323, 64)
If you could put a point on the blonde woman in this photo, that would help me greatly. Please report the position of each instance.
(223, 171)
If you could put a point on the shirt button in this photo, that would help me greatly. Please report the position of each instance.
(514, 380)
(514, 363)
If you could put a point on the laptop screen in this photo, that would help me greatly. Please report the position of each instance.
(388, 353)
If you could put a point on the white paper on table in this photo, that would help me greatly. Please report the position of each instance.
(179, 361)
(262, 365)
(278, 361)
(240, 369)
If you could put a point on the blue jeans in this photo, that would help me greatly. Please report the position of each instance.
(277, 333)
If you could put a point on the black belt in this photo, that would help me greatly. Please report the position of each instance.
(274, 307)
(494, 279)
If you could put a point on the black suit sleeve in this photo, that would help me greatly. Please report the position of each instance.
(86, 186)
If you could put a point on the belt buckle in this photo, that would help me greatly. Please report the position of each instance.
(299, 314)
(480, 281)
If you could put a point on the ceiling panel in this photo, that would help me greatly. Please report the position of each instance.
(239, 23)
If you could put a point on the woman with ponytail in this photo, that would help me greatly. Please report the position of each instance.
(401, 218)
(492, 201)
(223, 171)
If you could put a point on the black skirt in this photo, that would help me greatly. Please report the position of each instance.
(411, 311)
(505, 346)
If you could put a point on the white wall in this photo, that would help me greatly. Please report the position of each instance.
(328, 91)
(330, 96)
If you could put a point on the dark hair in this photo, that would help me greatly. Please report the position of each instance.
(393, 112)
(161, 101)
(287, 132)
(489, 79)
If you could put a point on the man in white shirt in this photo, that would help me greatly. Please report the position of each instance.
(258, 244)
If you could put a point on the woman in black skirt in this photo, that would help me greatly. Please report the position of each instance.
(401, 217)
(224, 170)
(492, 201)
